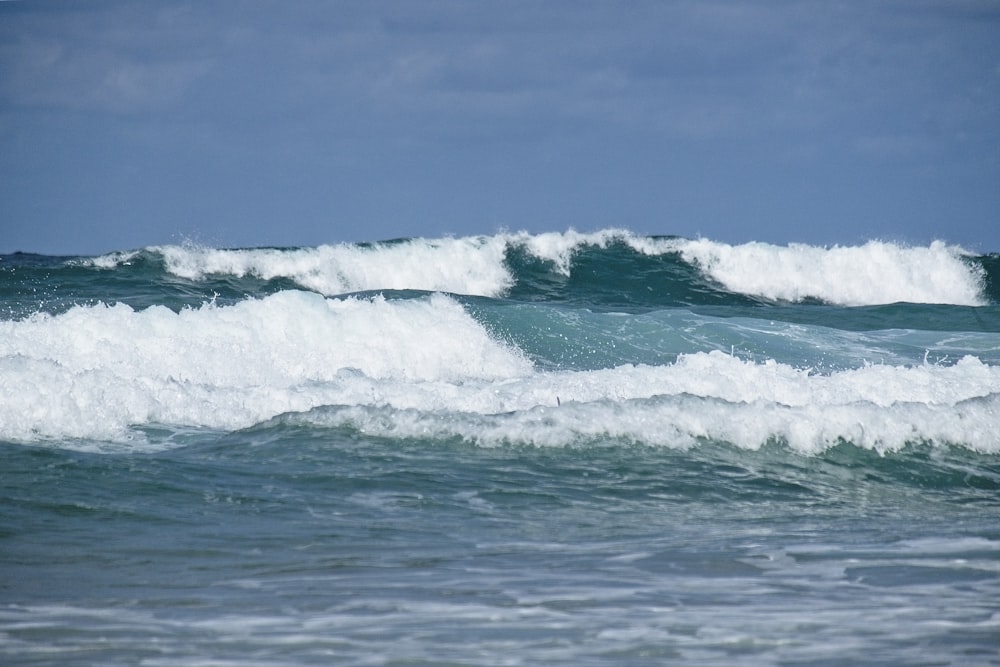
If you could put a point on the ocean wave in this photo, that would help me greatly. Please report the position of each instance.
(96, 370)
(425, 365)
(470, 265)
(681, 421)
(874, 273)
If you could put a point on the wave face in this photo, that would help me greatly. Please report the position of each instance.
(656, 340)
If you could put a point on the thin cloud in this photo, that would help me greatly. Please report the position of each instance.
(687, 70)
(101, 59)
(717, 112)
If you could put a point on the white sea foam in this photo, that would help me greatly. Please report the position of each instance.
(426, 368)
(685, 421)
(472, 265)
(94, 371)
(111, 260)
(702, 397)
(559, 247)
(468, 265)
(874, 273)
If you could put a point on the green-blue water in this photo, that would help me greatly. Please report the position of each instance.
(512, 450)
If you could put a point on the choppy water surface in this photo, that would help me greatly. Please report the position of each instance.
(552, 449)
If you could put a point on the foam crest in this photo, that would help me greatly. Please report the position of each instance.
(871, 274)
(109, 261)
(94, 371)
(468, 265)
(558, 247)
(874, 273)
(703, 396)
(684, 421)
(425, 369)
(472, 265)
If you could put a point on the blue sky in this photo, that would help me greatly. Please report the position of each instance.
(273, 123)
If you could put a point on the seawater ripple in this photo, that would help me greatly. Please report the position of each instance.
(277, 545)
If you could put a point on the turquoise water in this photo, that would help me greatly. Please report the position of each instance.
(550, 449)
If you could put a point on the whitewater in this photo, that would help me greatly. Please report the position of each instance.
(570, 448)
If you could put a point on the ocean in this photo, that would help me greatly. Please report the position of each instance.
(521, 449)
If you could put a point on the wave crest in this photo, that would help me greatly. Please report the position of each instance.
(871, 274)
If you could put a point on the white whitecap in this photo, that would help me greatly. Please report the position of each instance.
(874, 273)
